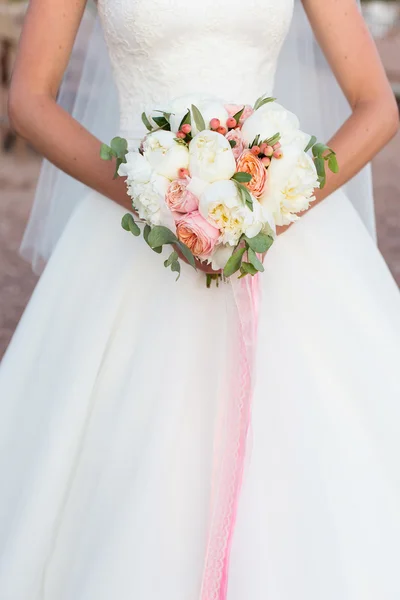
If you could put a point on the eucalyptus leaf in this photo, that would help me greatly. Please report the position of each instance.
(253, 258)
(234, 262)
(311, 143)
(245, 195)
(260, 243)
(320, 166)
(198, 118)
(173, 257)
(159, 236)
(247, 268)
(119, 146)
(146, 122)
(242, 177)
(319, 149)
(146, 232)
(106, 152)
(333, 164)
(118, 163)
(128, 223)
(187, 254)
(176, 267)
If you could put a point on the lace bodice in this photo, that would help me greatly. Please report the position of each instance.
(162, 49)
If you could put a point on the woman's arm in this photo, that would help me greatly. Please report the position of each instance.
(351, 52)
(46, 44)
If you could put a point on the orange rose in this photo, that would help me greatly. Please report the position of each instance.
(249, 163)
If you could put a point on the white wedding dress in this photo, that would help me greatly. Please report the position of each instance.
(109, 389)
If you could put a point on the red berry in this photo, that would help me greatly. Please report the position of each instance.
(222, 130)
(255, 150)
(181, 135)
(276, 146)
(215, 123)
(263, 147)
(278, 154)
(186, 128)
(266, 161)
(231, 123)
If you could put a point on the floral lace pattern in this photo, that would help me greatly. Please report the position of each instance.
(161, 49)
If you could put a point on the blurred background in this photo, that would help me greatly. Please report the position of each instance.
(20, 165)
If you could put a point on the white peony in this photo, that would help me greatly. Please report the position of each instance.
(222, 206)
(273, 118)
(165, 155)
(220, 257)
(210, 108)
(148, 199)
(290, 185)
(137, 168)
(211, 157)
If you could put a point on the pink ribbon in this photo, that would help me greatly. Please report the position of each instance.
(230, 442)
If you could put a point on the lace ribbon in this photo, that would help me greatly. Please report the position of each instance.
(230, 442)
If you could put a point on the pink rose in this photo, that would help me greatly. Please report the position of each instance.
(197, 233)
(235, 135)
(232, 109)
(179, 199)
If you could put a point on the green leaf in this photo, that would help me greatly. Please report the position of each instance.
(238, 115)
(173, 257)
(198, 118)
(234, 262)
(242, 177)
(256, 141)
(232, 143)
(333, 164)
(146, 232)
(245, 195)
(253, 258)
(176, 267)
(106, 152)
(128, 223)
(273, 140)
(260, 243)
(319, 149)
(162, 123)
(187, 254)
(261, 101)
(119, 146)
(187, 119)
(310, 144)
(146, 122)
(159, 236)
(247, 269)
(166, 115)
(320, 166)
(118, 163)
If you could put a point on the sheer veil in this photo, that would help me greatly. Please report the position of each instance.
(304, 84)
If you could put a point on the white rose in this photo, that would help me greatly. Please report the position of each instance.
(210, 108)
(221, 205)
(273, 118)
(211, 157)
(136, 168)
(290, 185)
(165, 155)
(149, 200)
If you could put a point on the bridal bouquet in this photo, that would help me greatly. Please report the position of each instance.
(213, 180)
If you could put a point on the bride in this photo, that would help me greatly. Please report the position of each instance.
(115, 390)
